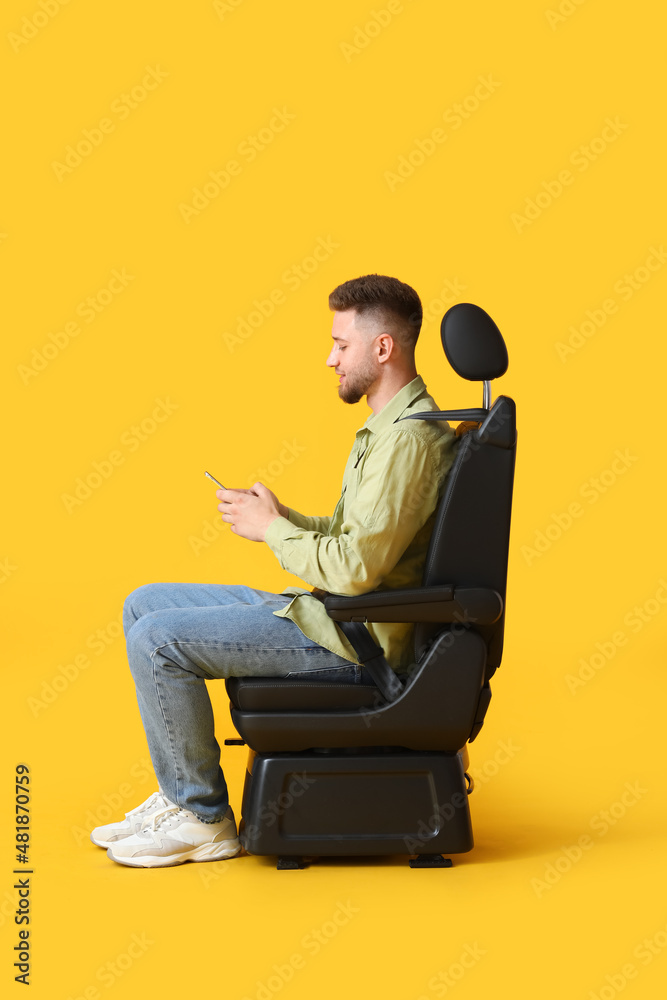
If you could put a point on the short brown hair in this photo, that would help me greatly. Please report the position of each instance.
(383, 298)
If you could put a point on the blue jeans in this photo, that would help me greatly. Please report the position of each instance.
(179, 635)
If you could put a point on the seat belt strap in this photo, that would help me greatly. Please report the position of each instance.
(368, 652)
(373, 658)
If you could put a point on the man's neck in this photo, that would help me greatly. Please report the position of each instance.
(379, 398)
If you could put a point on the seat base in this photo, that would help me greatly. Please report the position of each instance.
(356, 801)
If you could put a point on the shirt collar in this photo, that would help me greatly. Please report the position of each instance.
(392, 410)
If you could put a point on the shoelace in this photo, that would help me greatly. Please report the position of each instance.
(154, 822)
(157, 798)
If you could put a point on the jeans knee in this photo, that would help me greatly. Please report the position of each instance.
(137, 604)
(129, 614)
(142, 641)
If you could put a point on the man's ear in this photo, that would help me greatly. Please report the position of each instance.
(386, 345)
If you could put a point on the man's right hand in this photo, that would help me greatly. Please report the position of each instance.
(284, 511)
(281, 506)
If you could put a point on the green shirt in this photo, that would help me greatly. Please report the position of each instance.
(378, 534)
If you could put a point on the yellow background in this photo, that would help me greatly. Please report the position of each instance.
(554, 754)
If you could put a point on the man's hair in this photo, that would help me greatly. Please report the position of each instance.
(385, 300)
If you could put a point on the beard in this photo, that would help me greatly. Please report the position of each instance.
(358, 383)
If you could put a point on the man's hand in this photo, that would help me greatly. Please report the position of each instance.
(250, 512)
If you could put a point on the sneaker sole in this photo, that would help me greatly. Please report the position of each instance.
(207, 852)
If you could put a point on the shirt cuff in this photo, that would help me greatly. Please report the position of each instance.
(278, 532)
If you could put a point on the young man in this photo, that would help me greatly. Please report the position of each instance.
(180, 635)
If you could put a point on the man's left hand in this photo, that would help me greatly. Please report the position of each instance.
(249, 512)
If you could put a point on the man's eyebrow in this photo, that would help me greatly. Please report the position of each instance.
(341, 339)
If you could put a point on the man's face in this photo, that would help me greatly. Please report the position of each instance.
(353, 358)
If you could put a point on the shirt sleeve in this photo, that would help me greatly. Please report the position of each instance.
(394, 497)
(318, 524)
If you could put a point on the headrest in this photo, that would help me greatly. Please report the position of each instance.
(473, 343)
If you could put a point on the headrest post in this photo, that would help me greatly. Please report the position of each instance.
(487, 395)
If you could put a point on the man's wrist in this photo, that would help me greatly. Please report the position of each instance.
(269, 521)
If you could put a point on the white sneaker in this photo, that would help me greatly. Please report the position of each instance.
(105, 836)
(174, 835)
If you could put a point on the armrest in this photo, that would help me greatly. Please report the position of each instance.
(478, 605)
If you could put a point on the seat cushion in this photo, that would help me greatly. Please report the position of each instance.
(276, 694)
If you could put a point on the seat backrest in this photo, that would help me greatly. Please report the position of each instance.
(470, 540)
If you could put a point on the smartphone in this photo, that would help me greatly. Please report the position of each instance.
(215, 480)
